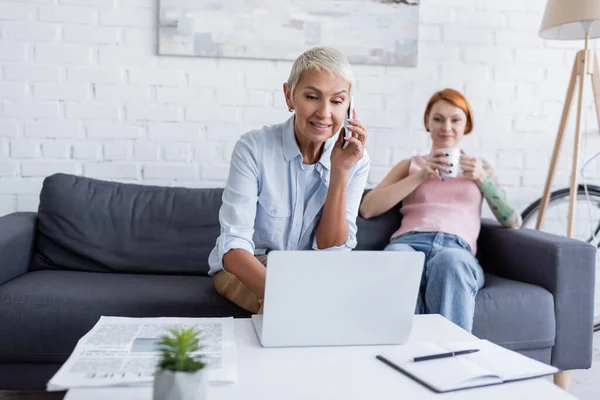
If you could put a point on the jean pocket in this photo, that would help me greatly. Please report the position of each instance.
(463, 243)
(405, 234)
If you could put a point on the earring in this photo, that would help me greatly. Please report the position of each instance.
(290, 109)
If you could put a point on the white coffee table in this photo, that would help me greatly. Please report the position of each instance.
(335, 373)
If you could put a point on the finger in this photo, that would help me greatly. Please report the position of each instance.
(443, 167)
(430, 170)
(355, 122)
(442, 157)
(436, 174)
(358, 133)
(355, 141)
(442, 160)
(434, 164)
(354, 113)
(357, 127)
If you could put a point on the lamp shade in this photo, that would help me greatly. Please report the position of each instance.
(563, 19)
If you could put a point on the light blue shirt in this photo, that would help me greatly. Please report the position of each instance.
(312, 181)
(264, 205)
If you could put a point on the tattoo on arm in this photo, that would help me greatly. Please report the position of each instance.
(497, 199)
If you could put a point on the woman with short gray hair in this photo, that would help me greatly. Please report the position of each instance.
(295, 185)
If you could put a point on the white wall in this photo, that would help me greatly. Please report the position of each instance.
(82, 91)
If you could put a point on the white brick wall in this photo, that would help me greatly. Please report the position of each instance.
(30, 73)
(53, 129)
(86, 151)
(8, 128)
(95, 74)
(90, 34)
(62, 54)
(33, 31)
(68, 14)
(56, 149)
(13, 91)
(12, 51)
(61, 91)
(83, 91)
(16, 12)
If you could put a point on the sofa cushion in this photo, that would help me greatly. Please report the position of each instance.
(516, 315)
(45, 313)
(98, 226)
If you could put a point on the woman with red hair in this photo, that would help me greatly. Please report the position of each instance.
(442, 217)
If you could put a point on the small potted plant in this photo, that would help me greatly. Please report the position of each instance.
(181, 374)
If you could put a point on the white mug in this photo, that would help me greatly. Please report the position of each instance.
(454, 158)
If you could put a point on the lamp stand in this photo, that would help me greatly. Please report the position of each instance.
(585, 64)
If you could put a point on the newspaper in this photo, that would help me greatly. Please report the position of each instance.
(124, 351)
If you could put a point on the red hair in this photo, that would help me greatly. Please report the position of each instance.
(455, 98)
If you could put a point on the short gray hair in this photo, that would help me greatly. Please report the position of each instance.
(321, 59)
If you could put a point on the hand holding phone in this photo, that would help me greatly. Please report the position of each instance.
(347, 132)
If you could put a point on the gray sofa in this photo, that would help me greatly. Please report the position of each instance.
(100, 248)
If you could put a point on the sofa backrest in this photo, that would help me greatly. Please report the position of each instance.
(92, 225)
(375, 233)
(97, 226)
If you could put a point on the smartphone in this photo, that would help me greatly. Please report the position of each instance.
(347, 132)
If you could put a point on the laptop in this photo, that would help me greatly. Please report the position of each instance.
(339, 298)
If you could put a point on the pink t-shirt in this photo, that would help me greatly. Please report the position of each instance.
(450, 206)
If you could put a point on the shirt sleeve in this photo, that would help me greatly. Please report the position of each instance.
(240, 197)
(354, 193)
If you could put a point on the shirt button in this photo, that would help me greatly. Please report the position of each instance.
(273, 210)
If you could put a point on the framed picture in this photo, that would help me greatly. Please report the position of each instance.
(375, 32)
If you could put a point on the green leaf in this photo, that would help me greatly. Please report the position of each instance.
(177, 351)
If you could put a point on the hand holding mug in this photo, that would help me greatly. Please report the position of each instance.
(472, 167)
(436, 163)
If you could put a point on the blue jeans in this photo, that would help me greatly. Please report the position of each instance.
(451, 275)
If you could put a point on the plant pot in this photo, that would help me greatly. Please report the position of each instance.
(169, 385)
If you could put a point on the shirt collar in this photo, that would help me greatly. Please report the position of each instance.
(291, 149)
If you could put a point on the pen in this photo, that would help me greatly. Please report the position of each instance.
(444, 355)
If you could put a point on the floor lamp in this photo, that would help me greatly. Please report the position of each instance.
(572, 20)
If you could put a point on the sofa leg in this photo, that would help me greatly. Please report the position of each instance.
(562, 379)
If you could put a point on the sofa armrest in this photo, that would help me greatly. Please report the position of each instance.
(565, 267)
(17, 231)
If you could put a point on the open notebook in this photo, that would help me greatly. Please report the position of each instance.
(491, 365)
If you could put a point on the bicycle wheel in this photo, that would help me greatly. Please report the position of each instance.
(586, 224)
